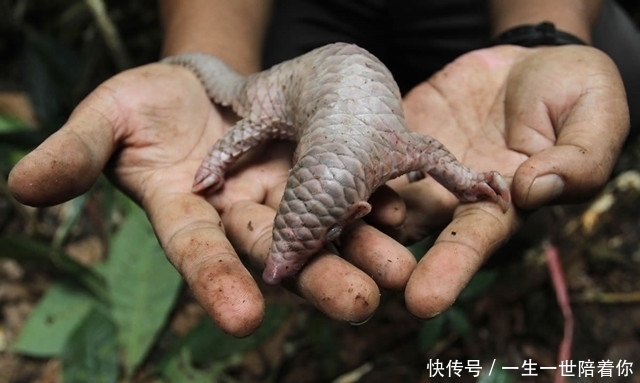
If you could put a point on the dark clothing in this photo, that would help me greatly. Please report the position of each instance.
(415, 38)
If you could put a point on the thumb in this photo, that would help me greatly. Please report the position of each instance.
(565, 173)
(68, 163)
(582, 158)
(572, 126)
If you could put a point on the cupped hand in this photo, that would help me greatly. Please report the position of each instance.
(551, 120)
(149, 128)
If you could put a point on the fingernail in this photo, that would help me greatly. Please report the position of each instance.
(360, 323)
(434, 314)
(544, 189)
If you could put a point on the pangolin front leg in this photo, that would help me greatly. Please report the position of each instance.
(241, 138)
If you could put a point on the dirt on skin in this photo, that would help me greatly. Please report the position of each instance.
(517, 320)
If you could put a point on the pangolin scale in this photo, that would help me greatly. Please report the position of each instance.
(343, 107)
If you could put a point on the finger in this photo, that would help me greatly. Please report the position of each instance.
(587, 147)
(192, 236)
(561, 174)
(68, 163)
(330, 283)
(388, 262)
(475, 232)
(590, 121)
(388, 208)
(338, 289)
(428, 206)
(260, 175)
(574, 169)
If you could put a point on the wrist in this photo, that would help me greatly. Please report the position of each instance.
(232, 31)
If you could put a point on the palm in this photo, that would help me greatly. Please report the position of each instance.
(149, 128)
(167, 126)
(469, 120)
(539, 117)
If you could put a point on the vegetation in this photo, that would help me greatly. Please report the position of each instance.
(87, 295)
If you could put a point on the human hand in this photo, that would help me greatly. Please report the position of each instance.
(552, 120)
(149, 128)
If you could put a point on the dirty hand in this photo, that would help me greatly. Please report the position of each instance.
(149, 128)
(552, 120)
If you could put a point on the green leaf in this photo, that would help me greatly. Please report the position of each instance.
(9, 155)
(142, 284)
(459, 321)
(420, 248)
(180, 369)
(91, 353)
(50, 324)
(207, 343)
(430, 332)
(11, 124)
(23, 249)
(76, 207)
(222, 345)
(479, 285)
(16, 136)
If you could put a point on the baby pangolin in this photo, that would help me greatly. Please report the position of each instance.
(343, 107)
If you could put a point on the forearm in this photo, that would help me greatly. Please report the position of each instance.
(231, 30)
(572, 16)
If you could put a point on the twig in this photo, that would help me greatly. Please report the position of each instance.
(609, 298)
(109, 33)
(562, 296)
(355, 375)
(31, 224)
